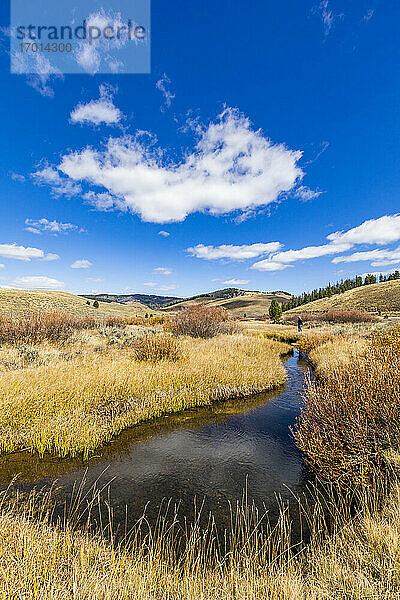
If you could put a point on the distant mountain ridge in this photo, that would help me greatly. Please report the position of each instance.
(237, 301)
(150, 300)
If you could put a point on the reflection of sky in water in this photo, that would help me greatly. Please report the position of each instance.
(211, 453)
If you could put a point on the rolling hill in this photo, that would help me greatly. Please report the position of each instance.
(384, 297)
(238, 302)
(149, 300)
(23, 301)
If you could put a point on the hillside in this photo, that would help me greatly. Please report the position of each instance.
(384, 297)
(22, 301)
(149, 300)
(250, 304)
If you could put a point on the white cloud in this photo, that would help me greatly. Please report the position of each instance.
(232, 168)
(369, 14)
(95, 279)
(17, 177)
(378, 257)
(385, 263)
(61, 186)
(305, 194)
(38, 70)
(308, 252)
(39, 226)
(162, 271)
(20, 252)
(103, 52)
(164, 233)
(326, 15)
(269, 265)
(98, 111)
(236, 281)
(39, 282)
(2, 266)
(51, 256)
(162, 85)
(81, 264)
(233, 252)
(379, 231)
(103, 201)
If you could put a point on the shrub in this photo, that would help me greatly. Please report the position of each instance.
(95, 304)
(199, 320)
(53, 326)
(157, 347)
(351, 415)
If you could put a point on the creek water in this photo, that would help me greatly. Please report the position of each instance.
(207, 456)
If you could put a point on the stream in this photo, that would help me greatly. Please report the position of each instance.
(205, 456)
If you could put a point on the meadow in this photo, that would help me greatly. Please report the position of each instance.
(78, 391)
(74, 389)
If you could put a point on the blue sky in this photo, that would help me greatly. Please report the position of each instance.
(263, 128)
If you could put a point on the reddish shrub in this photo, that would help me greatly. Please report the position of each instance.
(54, 326)
(199, 320)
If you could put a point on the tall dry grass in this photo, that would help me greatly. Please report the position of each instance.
(355, 558)
(71, 407)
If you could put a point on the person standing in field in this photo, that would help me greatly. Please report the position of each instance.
(299, 323)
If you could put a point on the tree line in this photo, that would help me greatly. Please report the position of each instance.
(338, 288)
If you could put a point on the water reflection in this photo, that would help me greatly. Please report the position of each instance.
(210, 455)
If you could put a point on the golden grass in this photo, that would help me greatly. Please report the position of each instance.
(360, 560)
(280, 332)
(336, 352)
(17, 302)
(383, 297)
(71, 407)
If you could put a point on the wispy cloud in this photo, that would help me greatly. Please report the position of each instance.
(164, 233)
(39, 226)
(305, 194)
(369, 14)
(163, 85)
(327, 15)
(232, 169)
(60, 186)
(381, 231)
(243, 252)
(93, 55)
(236, 281)
(162, 271)
(97, 112)
(51, 256)
(17, 177)
(82, 263)
(378, 257)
